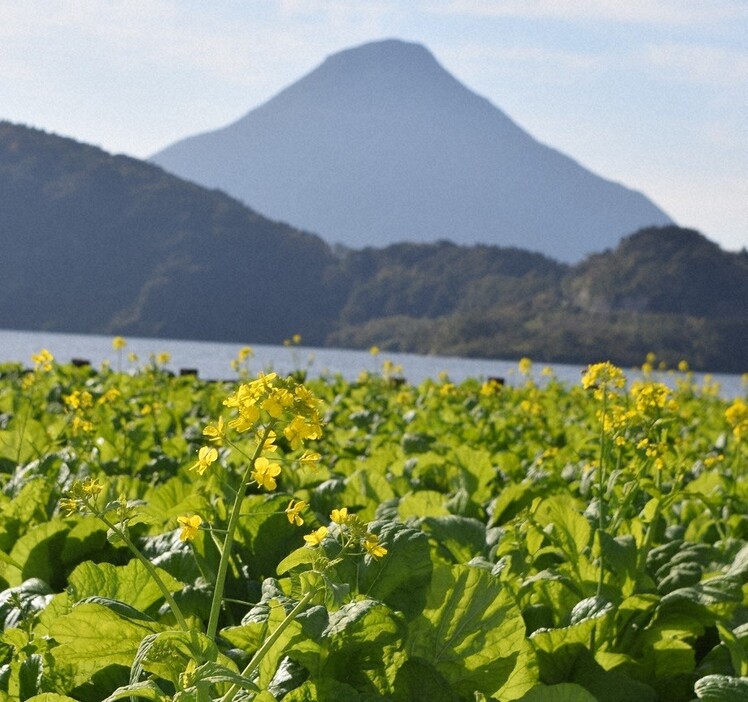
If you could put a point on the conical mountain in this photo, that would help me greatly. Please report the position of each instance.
(380, 144)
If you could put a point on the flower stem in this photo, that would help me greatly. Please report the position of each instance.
(215, 605)
(268, 644)
(151, 571)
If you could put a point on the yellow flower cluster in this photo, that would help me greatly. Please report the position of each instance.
(265, 406)
(351, 531)
(43, 360)
(80, 403)
(651, 398)
(525, 366)
(82, 495)
(601, 377)
(737, 417)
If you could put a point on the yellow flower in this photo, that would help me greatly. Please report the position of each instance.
(163, 358)
(525, 366)
(190, 527)
(248, 415)
(373, 547)
(374, 350)
(69, 505)
(600, 376)
(118, 343)
(278, 400)
(205, 456)
(683, 366)
(245, 352)
(294, 510)
(296, 339)
(316, 537)
(310, 458)
(80, 424)
(43, 360)
(339, 516)
(298, 429)
(737, 416)
(215, 432)
(265, 473)
(91, 487)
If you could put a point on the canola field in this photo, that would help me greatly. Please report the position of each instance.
(277, 538)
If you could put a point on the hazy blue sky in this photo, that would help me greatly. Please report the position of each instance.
(649, 93)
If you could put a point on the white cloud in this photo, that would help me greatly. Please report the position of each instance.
(696, 64)
(671, 12)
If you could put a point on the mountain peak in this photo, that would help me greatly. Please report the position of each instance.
(385, 50)
(381, 144)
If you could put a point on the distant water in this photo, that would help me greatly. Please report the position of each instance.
(212, 360)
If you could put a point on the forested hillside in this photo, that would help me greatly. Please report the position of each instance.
(96, 243)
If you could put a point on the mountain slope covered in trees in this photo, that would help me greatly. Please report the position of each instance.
(96, 243)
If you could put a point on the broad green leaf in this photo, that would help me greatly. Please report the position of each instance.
(478, 470)
(458, 539)
(366, 489)
(50, 697)
(85, 540)
(562, 692)
(355, 639)
(265, 535)
(419, 681)
(38, 553)
(171, 499)
(571, 530)
(400, 578)
(722, 688)
(736, 647)
(424, 503)
(130, 584)
(145, 690)
(472, 633)
(292, 637)
(92, 637)
(323, 690)
(301, 556)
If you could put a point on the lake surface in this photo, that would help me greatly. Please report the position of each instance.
(212, 360)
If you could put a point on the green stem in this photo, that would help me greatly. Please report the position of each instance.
(268, 644)
(600, 495)
(215, 605)
(151, 571)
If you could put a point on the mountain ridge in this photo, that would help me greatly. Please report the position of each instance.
(95, 243)
(380, 144)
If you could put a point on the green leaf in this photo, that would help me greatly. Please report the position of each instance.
(84, 540)
(563, 692)
(355, 638)
(722, 688)
(460, 539)
(419, 681)
(50, 697)
(301, 556)
(30, 674)
(146, 690)
(400, 578)
(92, 637)
(471, 631)
(323, 690)
(265, 535)
(130, 584)
(424, 503)
(38, 553)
